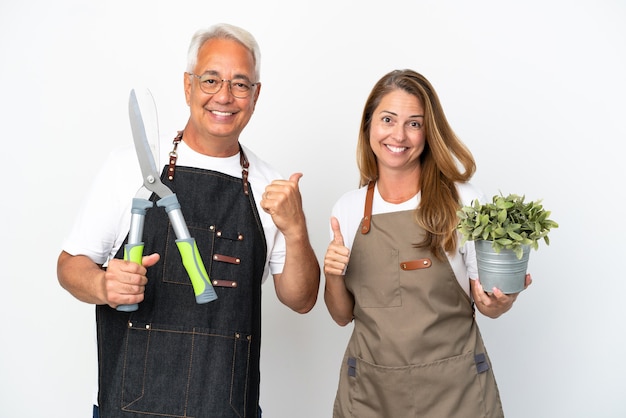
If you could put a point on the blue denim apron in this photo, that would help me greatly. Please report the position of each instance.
(173, 357)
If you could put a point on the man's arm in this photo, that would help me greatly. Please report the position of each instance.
(297, 286)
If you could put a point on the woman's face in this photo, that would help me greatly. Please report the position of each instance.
(396, 134)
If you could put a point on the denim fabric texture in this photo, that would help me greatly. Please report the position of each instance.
(174, 357)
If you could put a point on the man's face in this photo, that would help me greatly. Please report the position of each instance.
(221, 116)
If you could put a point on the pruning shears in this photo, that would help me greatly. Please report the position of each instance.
(133, 250)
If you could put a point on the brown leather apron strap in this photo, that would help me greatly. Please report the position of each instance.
(422, 263)
(366, 222)
(171, 169)
(245, 165)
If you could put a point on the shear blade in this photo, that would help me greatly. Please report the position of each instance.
(151, 179)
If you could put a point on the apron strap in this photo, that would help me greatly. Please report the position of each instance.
(243, 160)
(367, 215)
(173, 156)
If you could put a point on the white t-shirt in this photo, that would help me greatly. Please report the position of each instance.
(103, 220)
(349, 211)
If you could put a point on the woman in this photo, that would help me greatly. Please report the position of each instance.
(395, 266)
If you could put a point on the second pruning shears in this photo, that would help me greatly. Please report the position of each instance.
(187, 246)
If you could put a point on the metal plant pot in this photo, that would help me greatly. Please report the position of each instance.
(502, 270)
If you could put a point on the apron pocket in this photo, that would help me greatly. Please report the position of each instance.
(382, 291)
(200, 384)
(445, 388)
(221, 252)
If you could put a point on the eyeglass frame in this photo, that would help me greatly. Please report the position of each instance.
(230, 85)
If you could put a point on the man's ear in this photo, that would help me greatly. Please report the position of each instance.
(187, 85)
(256, 93)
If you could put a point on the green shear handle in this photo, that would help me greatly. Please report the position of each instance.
(203, 289)
(133, 250)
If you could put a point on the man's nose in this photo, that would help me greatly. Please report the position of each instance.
(224, 93)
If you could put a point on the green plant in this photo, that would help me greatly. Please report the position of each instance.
(506, 221)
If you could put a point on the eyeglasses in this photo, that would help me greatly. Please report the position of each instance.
(210, 84)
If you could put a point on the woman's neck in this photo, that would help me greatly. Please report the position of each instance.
(398, 190)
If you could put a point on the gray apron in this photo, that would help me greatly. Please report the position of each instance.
(173, 357)
(415, 350)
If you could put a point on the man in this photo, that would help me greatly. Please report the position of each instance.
(173, 356)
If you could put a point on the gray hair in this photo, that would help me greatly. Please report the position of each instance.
(224, 31)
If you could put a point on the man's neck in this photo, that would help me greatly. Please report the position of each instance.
(209, 145)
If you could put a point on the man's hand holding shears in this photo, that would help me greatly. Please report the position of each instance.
(125, 281)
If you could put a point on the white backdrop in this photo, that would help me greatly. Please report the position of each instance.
(536, 89)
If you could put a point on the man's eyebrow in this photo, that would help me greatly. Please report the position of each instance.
(235, 77)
